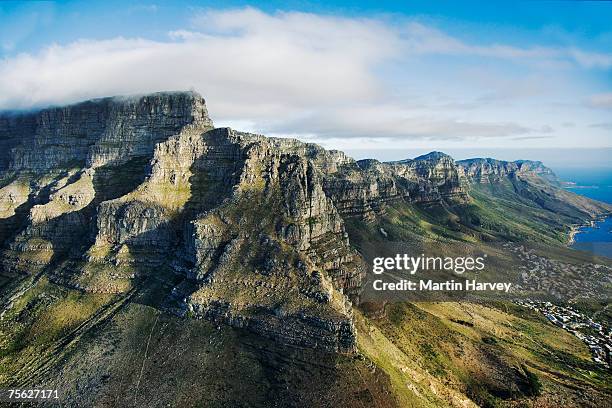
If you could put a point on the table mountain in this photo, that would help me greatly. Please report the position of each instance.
(118, 195)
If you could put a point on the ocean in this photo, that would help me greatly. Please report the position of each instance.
(595, 184)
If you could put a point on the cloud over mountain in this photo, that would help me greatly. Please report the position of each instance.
(327, 76)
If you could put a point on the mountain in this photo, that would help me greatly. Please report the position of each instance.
(491, 170)
(121, 214)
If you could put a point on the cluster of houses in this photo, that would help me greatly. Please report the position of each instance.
(597, 337)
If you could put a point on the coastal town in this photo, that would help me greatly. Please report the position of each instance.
(539, 276)
(595, 335)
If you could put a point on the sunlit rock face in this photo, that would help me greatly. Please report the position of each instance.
(365, 187)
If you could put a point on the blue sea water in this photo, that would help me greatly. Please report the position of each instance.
(595, 184)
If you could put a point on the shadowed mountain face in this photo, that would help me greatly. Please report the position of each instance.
(123, 201)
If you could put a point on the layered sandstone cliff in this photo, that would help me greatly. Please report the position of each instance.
(248, 230)
(104, 194)
(491, 170)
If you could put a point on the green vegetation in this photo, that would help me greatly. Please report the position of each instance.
(497, 358)
(39, 321)
(533, 387)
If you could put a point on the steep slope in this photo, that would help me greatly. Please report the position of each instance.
(365, 187)
(523, 199)
(149, 185)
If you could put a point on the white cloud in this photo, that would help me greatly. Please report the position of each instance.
(423, 39)
(392, 122)
(285, 73)
(603, 101)
(272, 65)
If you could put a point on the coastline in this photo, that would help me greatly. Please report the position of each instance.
(576, 228)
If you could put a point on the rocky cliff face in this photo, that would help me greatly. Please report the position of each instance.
(94, 133)
(436, 175)
(248, 230)
(363, 188)
(492, 170)
(104, 194)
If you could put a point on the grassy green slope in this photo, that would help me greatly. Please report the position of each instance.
(448, 354)
(124, 351)
(491, 353)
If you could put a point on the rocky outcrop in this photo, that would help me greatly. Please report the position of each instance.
(491, 170)
(71, 159)
(336, 334)
(246, 221)
(273, 255)
(436, 177)
(95, 133)
(365, 187)
(12, 196)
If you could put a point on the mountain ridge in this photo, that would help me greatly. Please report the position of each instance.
(151, 177)
(120, 213)
(8, 119)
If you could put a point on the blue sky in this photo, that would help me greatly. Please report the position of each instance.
(373, 78)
